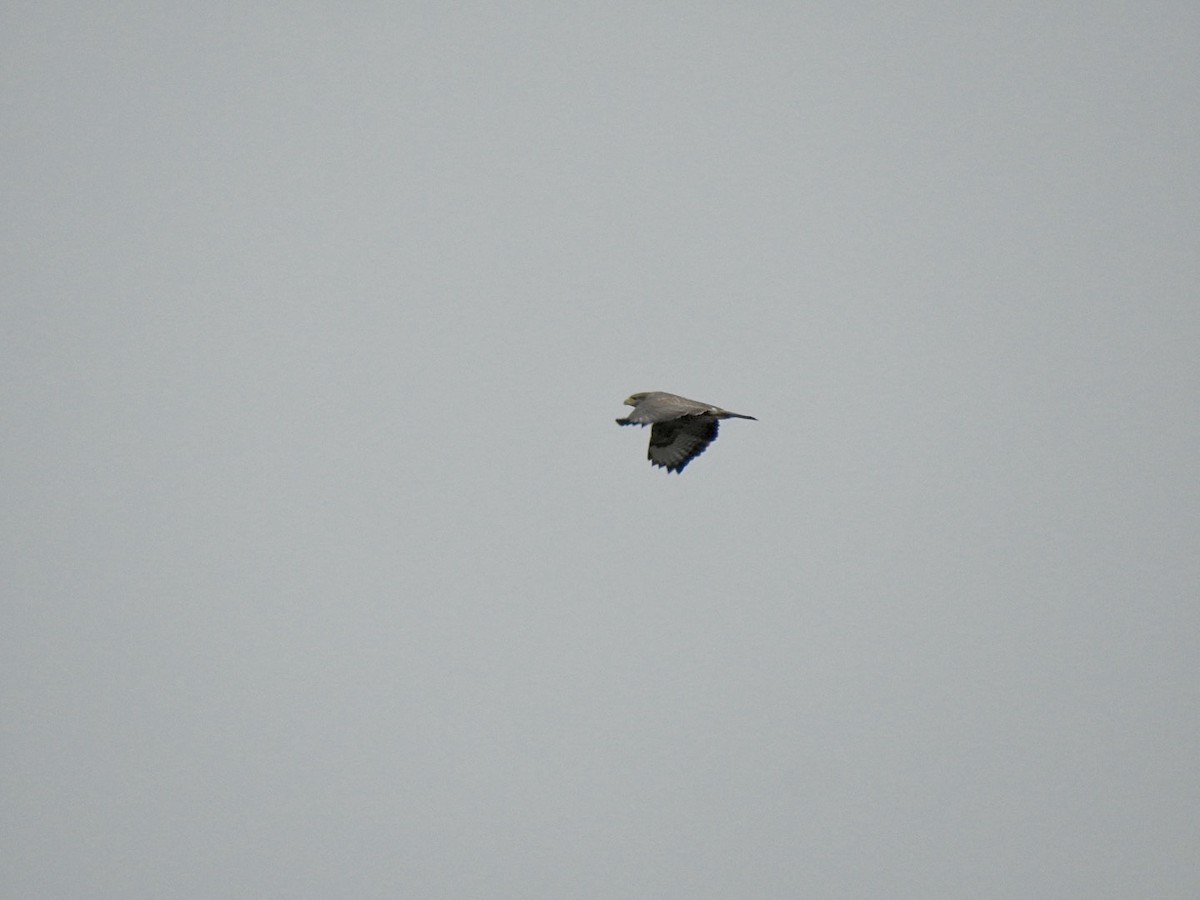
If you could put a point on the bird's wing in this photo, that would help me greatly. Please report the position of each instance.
(676, 443)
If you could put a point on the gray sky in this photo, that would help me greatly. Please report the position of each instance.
(328, 573)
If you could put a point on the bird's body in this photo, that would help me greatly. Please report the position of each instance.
(681, 429)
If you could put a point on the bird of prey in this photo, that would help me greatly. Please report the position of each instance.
(681, 429)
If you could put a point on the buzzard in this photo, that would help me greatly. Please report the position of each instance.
(681, 428)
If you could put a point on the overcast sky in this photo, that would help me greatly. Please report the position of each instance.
(326, 571)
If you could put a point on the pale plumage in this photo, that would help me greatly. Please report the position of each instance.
(681, 429)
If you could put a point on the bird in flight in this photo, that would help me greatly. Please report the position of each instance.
(681, 429)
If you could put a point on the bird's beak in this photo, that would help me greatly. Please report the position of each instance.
(629, 401)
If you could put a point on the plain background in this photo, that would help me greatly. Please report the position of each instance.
(326, 571)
